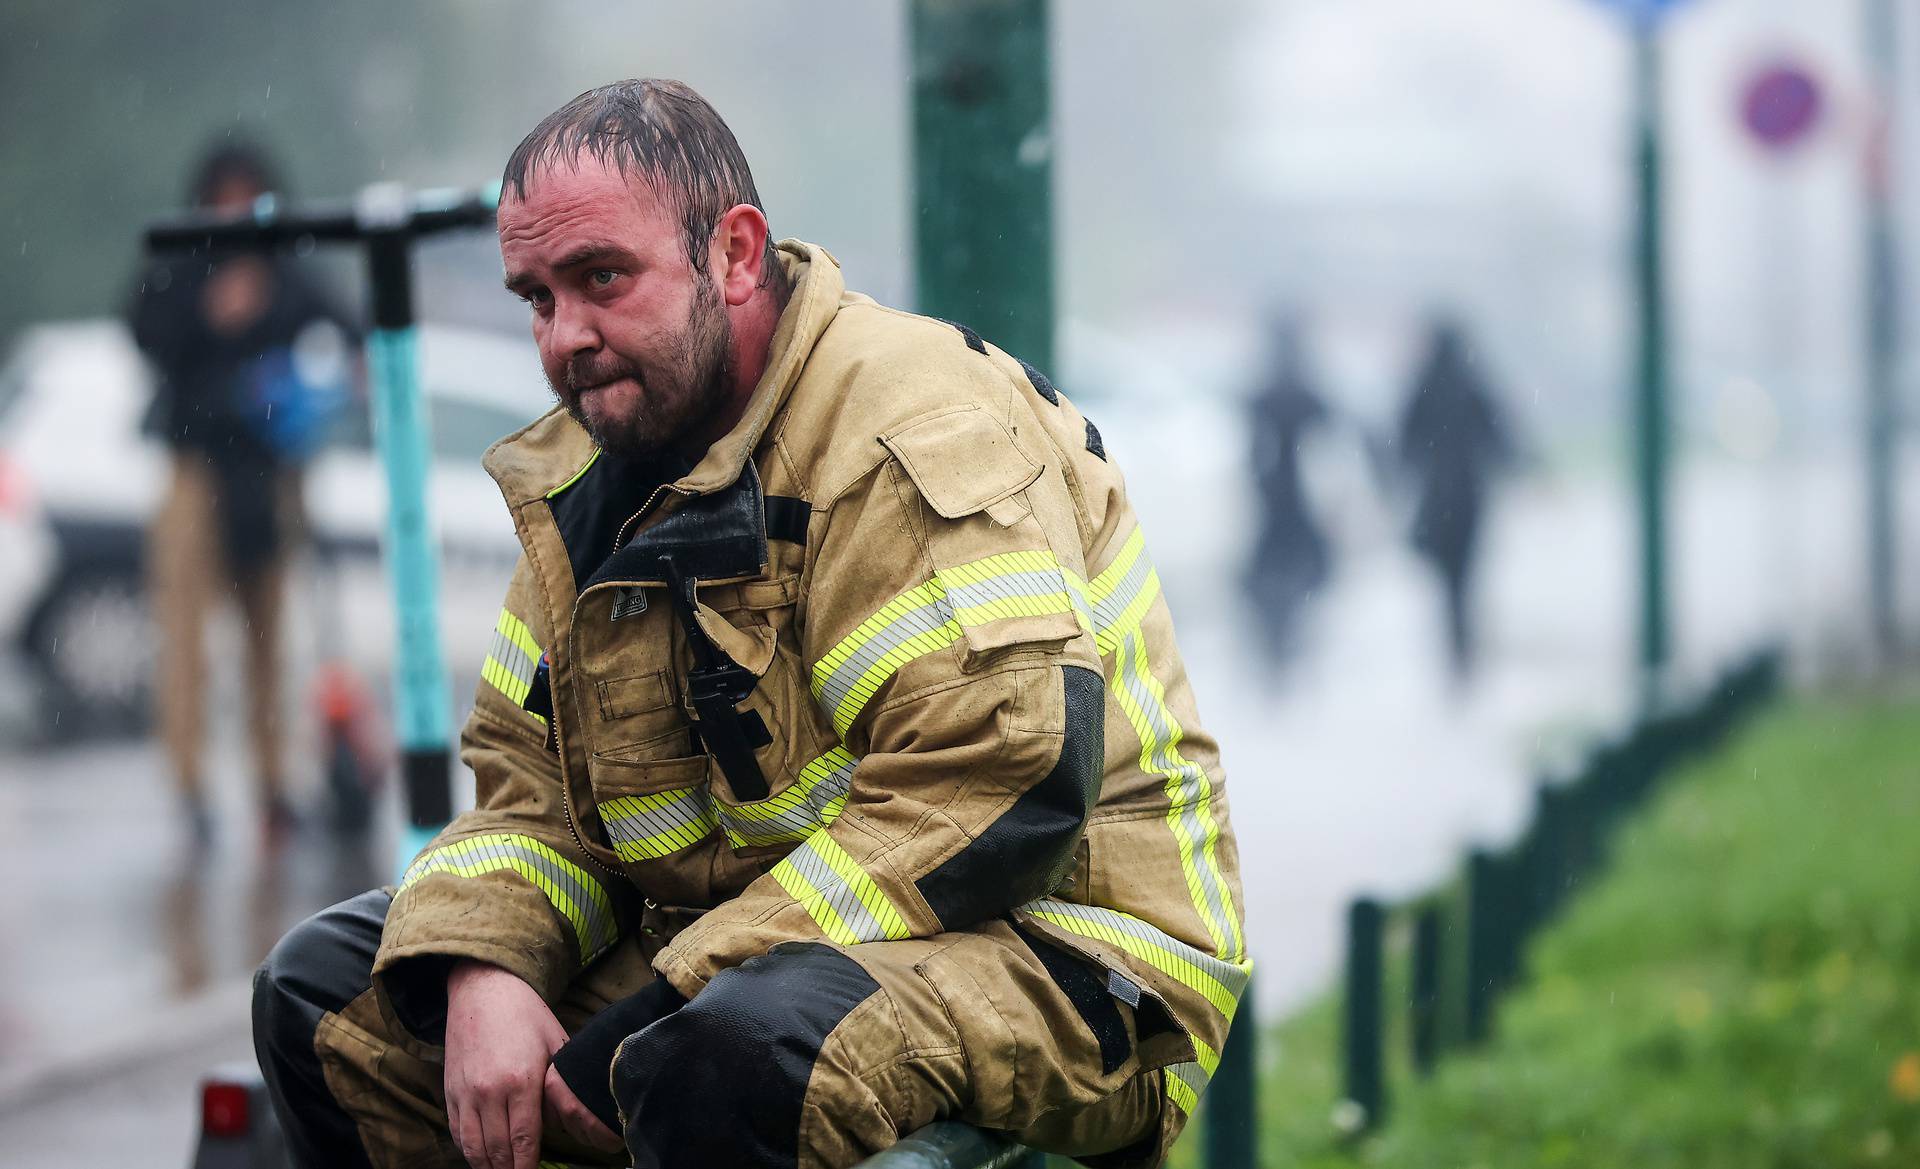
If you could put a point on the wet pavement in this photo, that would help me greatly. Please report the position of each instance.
(1355, 768)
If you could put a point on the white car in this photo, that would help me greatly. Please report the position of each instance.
(79, 482)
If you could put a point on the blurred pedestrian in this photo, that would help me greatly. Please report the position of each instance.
(1291, 557)
(1453, 441)
(248, 354)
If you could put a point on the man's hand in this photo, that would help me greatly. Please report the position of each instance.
(500, 1037)
(576, 1119)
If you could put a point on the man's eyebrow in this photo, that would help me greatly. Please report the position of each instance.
(592, 253)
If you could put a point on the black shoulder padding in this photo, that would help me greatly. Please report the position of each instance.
(1027, 851)
(1093, 441)
(972, 338)
(787, 518)
(1041, 385)
(1087, 991)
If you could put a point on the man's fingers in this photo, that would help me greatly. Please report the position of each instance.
(523, 1121)
(495, 1132)
(472, 1142)
(576, 1118)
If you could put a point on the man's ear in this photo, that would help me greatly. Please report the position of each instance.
(737, 255)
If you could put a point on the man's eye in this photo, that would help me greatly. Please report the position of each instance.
(602, 277)
(535, 297)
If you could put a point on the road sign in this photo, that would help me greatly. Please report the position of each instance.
(1781, 105)
(1643, 12)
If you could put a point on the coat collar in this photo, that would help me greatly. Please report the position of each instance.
(546, 458)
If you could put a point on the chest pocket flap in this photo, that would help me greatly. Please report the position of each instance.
(964, 461)
(999, 577)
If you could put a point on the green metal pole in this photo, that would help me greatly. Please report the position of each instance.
(982, 167)
(1650, 434)
(1363, 1038)
(1883, 336)
(1232, 1102)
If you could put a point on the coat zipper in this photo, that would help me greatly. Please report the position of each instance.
(566, 785)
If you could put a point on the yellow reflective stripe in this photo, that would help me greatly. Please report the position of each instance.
(1189, 794)
(649, 827)
(863, 886)
(1000, 564)
(1129, 618)
(1218, 981)
(1102, 586)
(1116, 612)
(838, 894)
(1179, 1090)
(575, 477)
(932, 616)
(1186, 1081)
(1003, 607)
(511, 661)
(504, 680)
(517, 632)
(911, 625)
(1209, 1058)
(816, 798)
(814, 902)
(571, 891)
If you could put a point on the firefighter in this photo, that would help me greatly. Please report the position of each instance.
(837, 770)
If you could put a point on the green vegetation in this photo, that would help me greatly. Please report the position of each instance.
(1740, 988)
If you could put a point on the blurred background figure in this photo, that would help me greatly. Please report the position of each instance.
(1290, 556)
(1453, 441)
(249, 356)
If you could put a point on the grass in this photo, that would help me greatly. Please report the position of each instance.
(1739, 988)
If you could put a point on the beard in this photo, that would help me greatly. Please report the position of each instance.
(677, 395)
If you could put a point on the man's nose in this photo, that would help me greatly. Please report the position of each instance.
(574, 331)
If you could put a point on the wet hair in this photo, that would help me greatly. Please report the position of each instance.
(663, 132)
(228, 159)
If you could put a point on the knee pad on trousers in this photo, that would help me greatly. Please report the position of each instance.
(722, 1080)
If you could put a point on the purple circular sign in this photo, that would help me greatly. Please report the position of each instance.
(1781, 106)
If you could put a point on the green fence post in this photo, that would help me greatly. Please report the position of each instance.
(1424, 1009)
(1882, 413)
(1482, 906)
(982, 168)
(1365, 1078)
(1650, 397)
(1232, 1102)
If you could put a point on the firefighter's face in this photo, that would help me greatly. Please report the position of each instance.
(635, 340)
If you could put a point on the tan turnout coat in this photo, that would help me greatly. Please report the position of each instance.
(956, 535)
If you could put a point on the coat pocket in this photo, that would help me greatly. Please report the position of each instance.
(655, 808)
(640, 719)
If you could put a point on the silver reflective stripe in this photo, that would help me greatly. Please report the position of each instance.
(515, 659)
(576, 896)
(838, 686)
(1219, 982)
(837, 895)
(1189, 795)
(1109, 613)
(1036, 583)
(814, 801)
(1185, 1082)
(653, 826)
